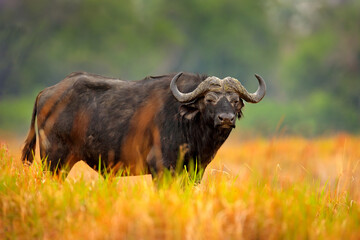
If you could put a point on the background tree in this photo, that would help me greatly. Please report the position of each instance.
(308, 51)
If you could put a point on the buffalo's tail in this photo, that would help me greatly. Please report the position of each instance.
(28, 151)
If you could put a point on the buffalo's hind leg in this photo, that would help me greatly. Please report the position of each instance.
(57, 155)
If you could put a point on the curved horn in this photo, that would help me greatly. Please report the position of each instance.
(252, 97)
(200, 89)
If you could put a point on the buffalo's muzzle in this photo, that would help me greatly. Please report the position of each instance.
(225, 120)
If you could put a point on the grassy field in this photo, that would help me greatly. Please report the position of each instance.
(286, 188)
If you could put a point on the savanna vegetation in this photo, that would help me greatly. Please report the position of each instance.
(289, 188)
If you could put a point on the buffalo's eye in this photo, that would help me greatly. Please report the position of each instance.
(210, 100)
(233, 98)
(234, 101)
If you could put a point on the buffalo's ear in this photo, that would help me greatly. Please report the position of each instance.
(239, 114)
(188, 111)
(239, 108)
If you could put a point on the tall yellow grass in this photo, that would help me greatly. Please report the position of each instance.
(287, 188)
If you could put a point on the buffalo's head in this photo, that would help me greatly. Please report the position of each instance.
(219, 101)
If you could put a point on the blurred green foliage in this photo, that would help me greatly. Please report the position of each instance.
(307, 51)
(15, 113)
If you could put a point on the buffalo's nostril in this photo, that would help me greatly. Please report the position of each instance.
(226, 117)
(225, 120)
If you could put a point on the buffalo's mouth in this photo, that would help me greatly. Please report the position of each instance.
(224, 125)
(230, 125)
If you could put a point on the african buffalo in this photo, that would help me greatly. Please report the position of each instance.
(143, 126)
